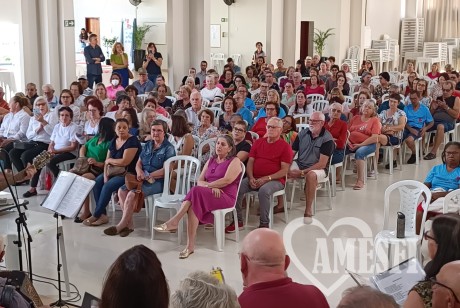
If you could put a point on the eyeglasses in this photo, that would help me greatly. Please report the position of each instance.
(239, 130)
(272, 127)
(314, 121)
(336, 110)
(435, 282)
(446, 90)
(451, 153)
(428, 237)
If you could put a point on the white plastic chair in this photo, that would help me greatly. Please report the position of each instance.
(205, 102)
(320, 105)
(314, 97)
(333, 170)
(219, 219)
(366, 160)
(172, 98)
(447, 135)
(418, 150)
(216, 104)
(143, 97)
(217, 111)
(187, 167)
(212, 144)
(390, 150)
(281, 78)
(348, 100)
(410, 192)
(303, 118)
(451, 201)
(254, 135)
(301, 127)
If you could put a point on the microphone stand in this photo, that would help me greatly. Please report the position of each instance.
(20, 222)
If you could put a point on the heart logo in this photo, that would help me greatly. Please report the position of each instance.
(297, 223)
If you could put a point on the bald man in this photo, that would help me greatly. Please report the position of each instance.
(364, 296)
(446, 288)
(263, 263)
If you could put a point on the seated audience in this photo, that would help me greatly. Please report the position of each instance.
(163, 101)
(133, 122)
(297, 82)
(95, 150)
(338, 129)
(268, 164)
(410, 68)
(383, 87)
(228, 107)
(289, 133)
(260, 127)
(385, 105)
(434, 73)
(315, 146)
(191, 74)
(436, 90)
(365, 296)
(336, 96)
(101, 94)
(348, 74)
(227, 82)
(331, 82)
(205, 130)
(234, 119)
(366, 67)
(199, 288)
(193, 111)
(264, 264)
(289, 74)
(31, 95)
(136, 102)
(411, 79)
(419, 121)
(364, 130)
(211, 91)
(184, 99)
(216, 189)
(115, 86)
(365, 83)
(288, 97)
(443, 247)
(301, 105)
(255, 86)
(123, 102)
(135, 279)
(323, 73)
(143, 84)
(191, 84)
(248, 102)
(123, 152)
(446, 286)
(148, 115)
(94, 114)
(280, 69)
(77, 93)
(313, 87)
(160, 81)
(261, 97)
(342, 85)
(243, 111)
(149, 170)
(48, 92)
(241, 145)
(272, 96)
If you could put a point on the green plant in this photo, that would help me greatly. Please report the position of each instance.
(320, 39)
(139, 35)
(108, 42)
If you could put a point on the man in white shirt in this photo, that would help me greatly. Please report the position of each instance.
(48, 92)
(192, 112)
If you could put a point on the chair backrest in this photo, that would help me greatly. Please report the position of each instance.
(281, 78)
(301, 127)
(450, 199)
(375, 80)
(196, 144)
(172, 98)
(212, 144)
(319, 105)
(348, 99)
(385, 97)
(217, 111)
(410, 192)
(236, 58)
(395, 76)
(188, 168)
(314, 97)
(143, 97)
(303, 118)
(216, 104)
(205, 102)
(254, 135)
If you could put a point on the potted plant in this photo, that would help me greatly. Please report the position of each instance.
(138, 37)
(320, 38)
(108, 43)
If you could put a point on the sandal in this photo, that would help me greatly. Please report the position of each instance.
(429, 156)
(112, 231)
(358, 187)
(277, 210)
(307, 219)
(125, 232)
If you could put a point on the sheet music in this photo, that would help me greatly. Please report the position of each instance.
(59, 190)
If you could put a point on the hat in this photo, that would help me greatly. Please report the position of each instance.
(385, 76)
(82, 77)
(142, 71)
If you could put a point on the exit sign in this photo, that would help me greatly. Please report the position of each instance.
(69, 23)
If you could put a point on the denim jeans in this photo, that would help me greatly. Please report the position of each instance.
(363, 151)
(103, 192)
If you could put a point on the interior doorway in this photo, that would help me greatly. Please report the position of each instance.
(307, 29)
(92, 25)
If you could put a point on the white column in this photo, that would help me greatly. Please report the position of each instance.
(275, 12)
(66, 42)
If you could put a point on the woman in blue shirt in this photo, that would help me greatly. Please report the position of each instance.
(149, 168)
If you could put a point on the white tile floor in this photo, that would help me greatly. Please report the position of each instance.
(90, 252)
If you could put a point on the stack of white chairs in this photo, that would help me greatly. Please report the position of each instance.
(352, 58)
(433, 52)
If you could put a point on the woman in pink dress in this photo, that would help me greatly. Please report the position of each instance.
(217, 189)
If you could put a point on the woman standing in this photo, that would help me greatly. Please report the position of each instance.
(149, 170)
(123, 152)
(229, 107)
(258, 53)
(217, 188)
(115, 86)
(152, 62)
(119, 62)
(101, 94)
(83, 38)
(301, 106)
(95, 150)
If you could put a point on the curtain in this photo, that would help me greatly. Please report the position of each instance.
(442, 19)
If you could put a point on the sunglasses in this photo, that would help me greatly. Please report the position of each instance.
(434, 282)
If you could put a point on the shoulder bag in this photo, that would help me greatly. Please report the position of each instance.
(132, 184)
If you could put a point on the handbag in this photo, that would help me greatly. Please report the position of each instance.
(130, 74)
(115, 171)
(132, 184)
(24, 145)
(81, 166)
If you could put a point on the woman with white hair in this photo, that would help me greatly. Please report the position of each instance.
(199, 288)
(338, 129)
(348, 73)
(211, 91)
(364, 130)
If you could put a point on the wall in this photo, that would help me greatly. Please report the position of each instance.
(289, 32)
(383, 20)
(218, 11)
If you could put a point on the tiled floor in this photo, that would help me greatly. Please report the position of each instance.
(90, 252)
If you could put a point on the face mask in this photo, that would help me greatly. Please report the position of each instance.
(115, 82)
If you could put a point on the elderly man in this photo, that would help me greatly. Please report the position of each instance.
(446, 286)
(315, 146)
(31, 93)
(365, 296)
(48, 92)
(419, 120)
(192, 112)
(266, 170)
(445, 110)
(94, 57)
(263, 264)
(143, 84)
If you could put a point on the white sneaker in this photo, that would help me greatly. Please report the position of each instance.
(371, 174)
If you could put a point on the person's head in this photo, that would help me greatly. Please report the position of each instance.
(123, 102)
(152, 47)
(435, 67)
(106, 129)
(131, 115)
(122, 128)
(260, 61)
(410, 66)
(323, 67)
(451, 154)
(228, 75)
(95, 108)
(341, 81)
(93, 39)
(31, 90)
(195, 100)
(314, 81)
(201, 286)
(115, 79)
(454, 76)
(366, 77)
(297, 78)
(274, 126)
(235, 118)
(393, 89)
(135, 279)
(255, 82)
(334, 69)
(179, 127)
(229, 105)
(414, 97)
(41, 104)
(150, 103)
(289, 124)
(158, 131)
(300, 100)
(101, 91)
(365, 296)
(131, 91)
(269, 77)
(262, 252)
(315, 60)
(83, 81)
(148, 115)
(448, 68)
(393, 101)
(48, 91)
(446, 286)
(316, 122)
(190, 82)
(66, 98)
(384, 78)
(447, 89)
(363, 96)
(335, 111)
(184, 92)
(422, 87)
(279, 63)
(239, 129)
(368, 109)
(225, 147)
(161, 89)
(250, 71)
(210, 81)
(76, 89)
(203, 66)
(273, 96)
(65, 115)
(239, 81)
(160, 80)
(272, 109)
(369, 65)
(142, 72)
(259, 45)
(206, 117)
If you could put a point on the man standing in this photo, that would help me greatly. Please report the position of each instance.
(143, 84)
(94, 57)
(31, 90)
(48, 92)
(83, 81)
(192, 112)
(446, 286)
(266, 170)
(315, 146)
(202, 74)
(263, 265)
(445, 110)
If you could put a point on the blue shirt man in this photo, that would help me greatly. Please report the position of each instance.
(143, 85)
(94, 57)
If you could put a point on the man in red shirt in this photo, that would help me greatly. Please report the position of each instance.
(266, 170)
(263, 264)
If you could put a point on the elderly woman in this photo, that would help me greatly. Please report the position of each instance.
(289, 129)
(210, 92)
(95, 151)
(348, 73)
(39, 131)
(301, 106)
(151, 102)
(217, 188)
(393, 121)
(338, 129)
(227, 82)
(148, 115)
(205, 130)
(191, 84)
(272, 96)
(123, 102)
(288, 97)
(229, 107)
(260, 127)
(77, 92)
(364, 130)
(101, 94)
(365, 83)
(123, 152)
(115, 86)
(149, 170)
(119, 62)
(184, 99)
